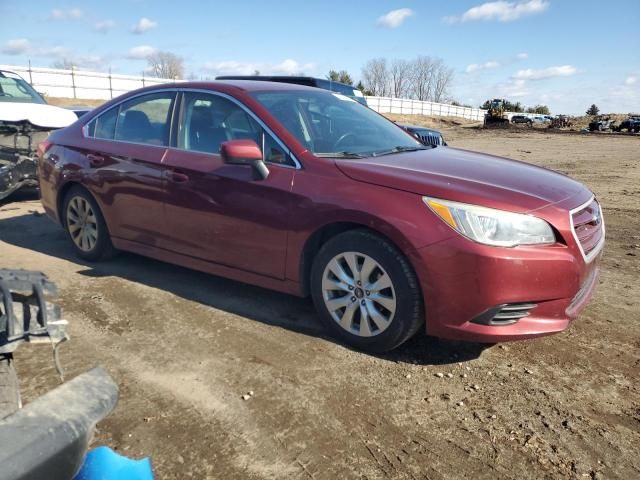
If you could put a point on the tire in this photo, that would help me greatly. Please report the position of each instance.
(98, 245)
(384, 329)
(9, 388)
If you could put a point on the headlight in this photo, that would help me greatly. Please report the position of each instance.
(490, 226)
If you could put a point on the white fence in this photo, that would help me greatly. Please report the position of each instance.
(81, 84)
(418, 107)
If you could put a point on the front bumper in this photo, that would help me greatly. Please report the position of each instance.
(463, 280)
(15, 174)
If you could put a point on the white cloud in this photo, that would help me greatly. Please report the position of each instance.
(57, 51)
(143, 25)
(141, 52)
(631, 80)
(549, 72)
(501, 10)
(66, 14)
(17, 46)
(394, 18)
(232, 67)
(476, 67)
(104, 26)
(522, 56)
(515, 88)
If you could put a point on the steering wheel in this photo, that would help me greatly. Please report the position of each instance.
(336, 146)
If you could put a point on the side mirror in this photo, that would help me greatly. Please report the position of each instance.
(244, 152)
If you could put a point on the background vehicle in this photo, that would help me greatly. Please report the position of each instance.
(631, 124)
(306, 192)
(426, 136)
(601, 123)
(496, 116)
(521, 119)
(342, 88)
(25, 121)
(540, 119)
(79, 110)
(561, 121)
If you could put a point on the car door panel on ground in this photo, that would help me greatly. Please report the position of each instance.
(220, 212)
(126, 148)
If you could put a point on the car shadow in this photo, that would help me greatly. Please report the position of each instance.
(21, 195)
(36, 232)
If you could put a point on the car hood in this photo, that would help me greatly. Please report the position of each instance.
(416, 127)
(469, 177)
(39, 114)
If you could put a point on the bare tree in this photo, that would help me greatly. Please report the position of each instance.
(422, 78)
(63, 64)
(442, 80)
(166, 65)
(400, 73)
(376, 78)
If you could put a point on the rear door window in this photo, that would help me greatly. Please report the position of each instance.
(145, 119)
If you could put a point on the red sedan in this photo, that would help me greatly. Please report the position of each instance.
(311, 193)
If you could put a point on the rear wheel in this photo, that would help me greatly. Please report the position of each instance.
(366, 292)
(9, 388)
(85, 226)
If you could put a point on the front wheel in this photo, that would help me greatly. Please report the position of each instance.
(9, 388)
(366, 292)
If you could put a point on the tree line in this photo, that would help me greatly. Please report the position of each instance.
(423, 78)
(519, 108)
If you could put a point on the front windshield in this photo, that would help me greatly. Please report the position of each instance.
(15, 89)
(330, 124)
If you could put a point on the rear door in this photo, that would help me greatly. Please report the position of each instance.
(127, 145)
(220, 212)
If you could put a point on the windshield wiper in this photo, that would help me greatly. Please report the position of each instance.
(340, 155)
(400, 149)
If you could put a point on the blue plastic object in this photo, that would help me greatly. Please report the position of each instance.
(103, 463)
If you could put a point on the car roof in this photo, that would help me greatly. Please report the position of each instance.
(3, 71)
(244, 85)
(285, 79)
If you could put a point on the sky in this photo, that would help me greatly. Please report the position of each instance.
(566, 54)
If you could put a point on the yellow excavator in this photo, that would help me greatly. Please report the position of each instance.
(496, 116)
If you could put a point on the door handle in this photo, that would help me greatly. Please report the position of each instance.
(177, 177)
(95, 160)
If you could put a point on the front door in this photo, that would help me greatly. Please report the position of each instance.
(218, 212)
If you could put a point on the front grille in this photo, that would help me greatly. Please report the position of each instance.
(431, 139)
(588, 228)
(504, 314)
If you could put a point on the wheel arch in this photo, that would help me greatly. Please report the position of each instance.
(62, 193)
(326, 232)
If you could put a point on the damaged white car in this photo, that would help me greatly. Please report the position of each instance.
(25, 121)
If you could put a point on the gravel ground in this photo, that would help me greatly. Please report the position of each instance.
(187, 348)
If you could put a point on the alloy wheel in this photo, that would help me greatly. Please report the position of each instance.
(82, 223)
(359, 294)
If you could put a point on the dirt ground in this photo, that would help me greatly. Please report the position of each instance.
(185, 346)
